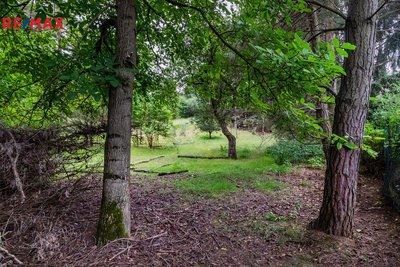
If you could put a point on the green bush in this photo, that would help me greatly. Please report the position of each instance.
(187, 106)
(291, 151)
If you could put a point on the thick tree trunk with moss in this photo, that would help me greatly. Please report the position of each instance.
(115, 220)
(224, 128)
(337, 212)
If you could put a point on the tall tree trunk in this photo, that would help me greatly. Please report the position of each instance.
(224, 128)
(337, 212)
(115, 220)
(322, 109)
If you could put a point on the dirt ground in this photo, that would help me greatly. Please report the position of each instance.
(56, 227)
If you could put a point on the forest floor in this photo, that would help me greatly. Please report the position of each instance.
(245, 212)
(248, 227)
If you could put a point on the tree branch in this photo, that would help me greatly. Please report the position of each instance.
(23, 5)
(329, 90)
(333, 10)
(107, 24)
(324, 31)
(379, 9)
(257, 71)
(212, 28)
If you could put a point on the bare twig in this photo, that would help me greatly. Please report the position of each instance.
(15, 259)
(12, 152)
(122, 251)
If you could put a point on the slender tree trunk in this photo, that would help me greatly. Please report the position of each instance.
(337, 212)
(329, 23)
(209, 134)
(115, 220)
(150, 139)
(224, 128)
(231, 140)
(322, 109)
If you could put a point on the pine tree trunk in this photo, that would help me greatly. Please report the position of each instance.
(337, 212)
(115, 221)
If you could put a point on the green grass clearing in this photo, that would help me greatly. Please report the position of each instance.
(217, 176)
(210, 177)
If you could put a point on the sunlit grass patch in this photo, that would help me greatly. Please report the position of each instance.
(268, 185)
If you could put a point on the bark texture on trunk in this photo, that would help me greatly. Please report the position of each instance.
(322, 109)
(337, 212)
(224, 128)
(115, 219)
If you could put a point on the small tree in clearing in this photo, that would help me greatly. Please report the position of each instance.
(205, 119)
(153, 119)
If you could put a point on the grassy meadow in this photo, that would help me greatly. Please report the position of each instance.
(213, 177)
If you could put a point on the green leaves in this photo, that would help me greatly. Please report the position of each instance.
(341, 142)
(372, 153)
(341, 49)
(114, 81)
(303, 45)
(349, 46)
(342, 52)
(336, 42)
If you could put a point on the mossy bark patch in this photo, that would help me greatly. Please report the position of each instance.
(111, 224)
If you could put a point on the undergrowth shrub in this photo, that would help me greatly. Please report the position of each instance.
(291, 151)
(375, 139)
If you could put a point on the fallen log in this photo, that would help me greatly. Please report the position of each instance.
(159, 173)
(143, 171)
(148, 160)
(165, 165)
(200, 157)
(170, 173)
